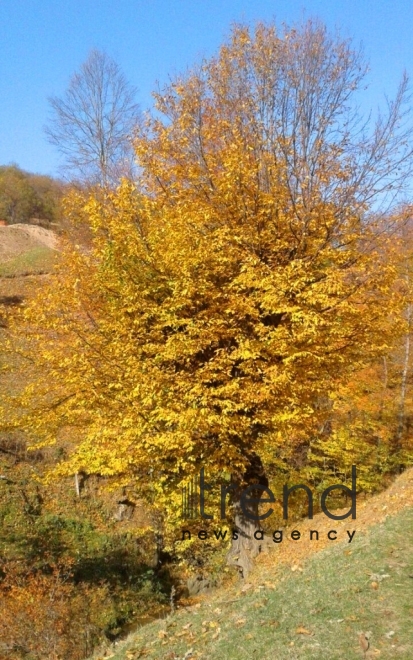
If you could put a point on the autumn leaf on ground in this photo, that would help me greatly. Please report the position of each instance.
(271, 622)
(364, 641)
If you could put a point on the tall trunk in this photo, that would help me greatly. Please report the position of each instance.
(245, 546)
(79, 482)
(77, 485)
(404, 377)
(384, 389)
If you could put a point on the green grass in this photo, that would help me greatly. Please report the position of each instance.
(332, 599)
(38, 260)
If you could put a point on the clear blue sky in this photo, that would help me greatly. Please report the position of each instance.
(42, 42)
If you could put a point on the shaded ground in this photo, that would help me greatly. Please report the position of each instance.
(16, 289)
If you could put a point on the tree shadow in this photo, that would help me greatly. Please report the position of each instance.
(11, 301)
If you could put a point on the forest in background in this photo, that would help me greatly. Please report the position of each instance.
(29, 198)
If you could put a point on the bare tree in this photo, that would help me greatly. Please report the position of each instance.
(91, 125)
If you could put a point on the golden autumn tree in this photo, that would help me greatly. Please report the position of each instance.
(232, 289)
(371, 412)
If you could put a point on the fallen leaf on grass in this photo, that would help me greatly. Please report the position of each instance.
(269, 585)
(270, 622)
(364, 641)
(378, 577)
(317, 610)
(303, 631)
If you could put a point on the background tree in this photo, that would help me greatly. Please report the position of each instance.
(26, 197)
(230, 293)
(92, 124)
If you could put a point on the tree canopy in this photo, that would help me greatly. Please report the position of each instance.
(242, 279)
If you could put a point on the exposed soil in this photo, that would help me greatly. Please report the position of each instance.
(20, 238)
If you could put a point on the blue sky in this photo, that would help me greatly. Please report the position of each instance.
(42, 43)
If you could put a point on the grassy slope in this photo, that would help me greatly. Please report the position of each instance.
(38, 260)
(338, 592)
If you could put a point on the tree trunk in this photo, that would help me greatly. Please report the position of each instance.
(77, 484)
(405, 372)
(384, 389)
(246, 542)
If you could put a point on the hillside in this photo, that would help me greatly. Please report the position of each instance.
(26, 249)
(70, 574)
(301, 603)
(307, 600)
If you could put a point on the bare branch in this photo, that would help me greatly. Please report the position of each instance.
(92, 124)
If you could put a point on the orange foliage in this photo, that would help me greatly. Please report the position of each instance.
(47, 617)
